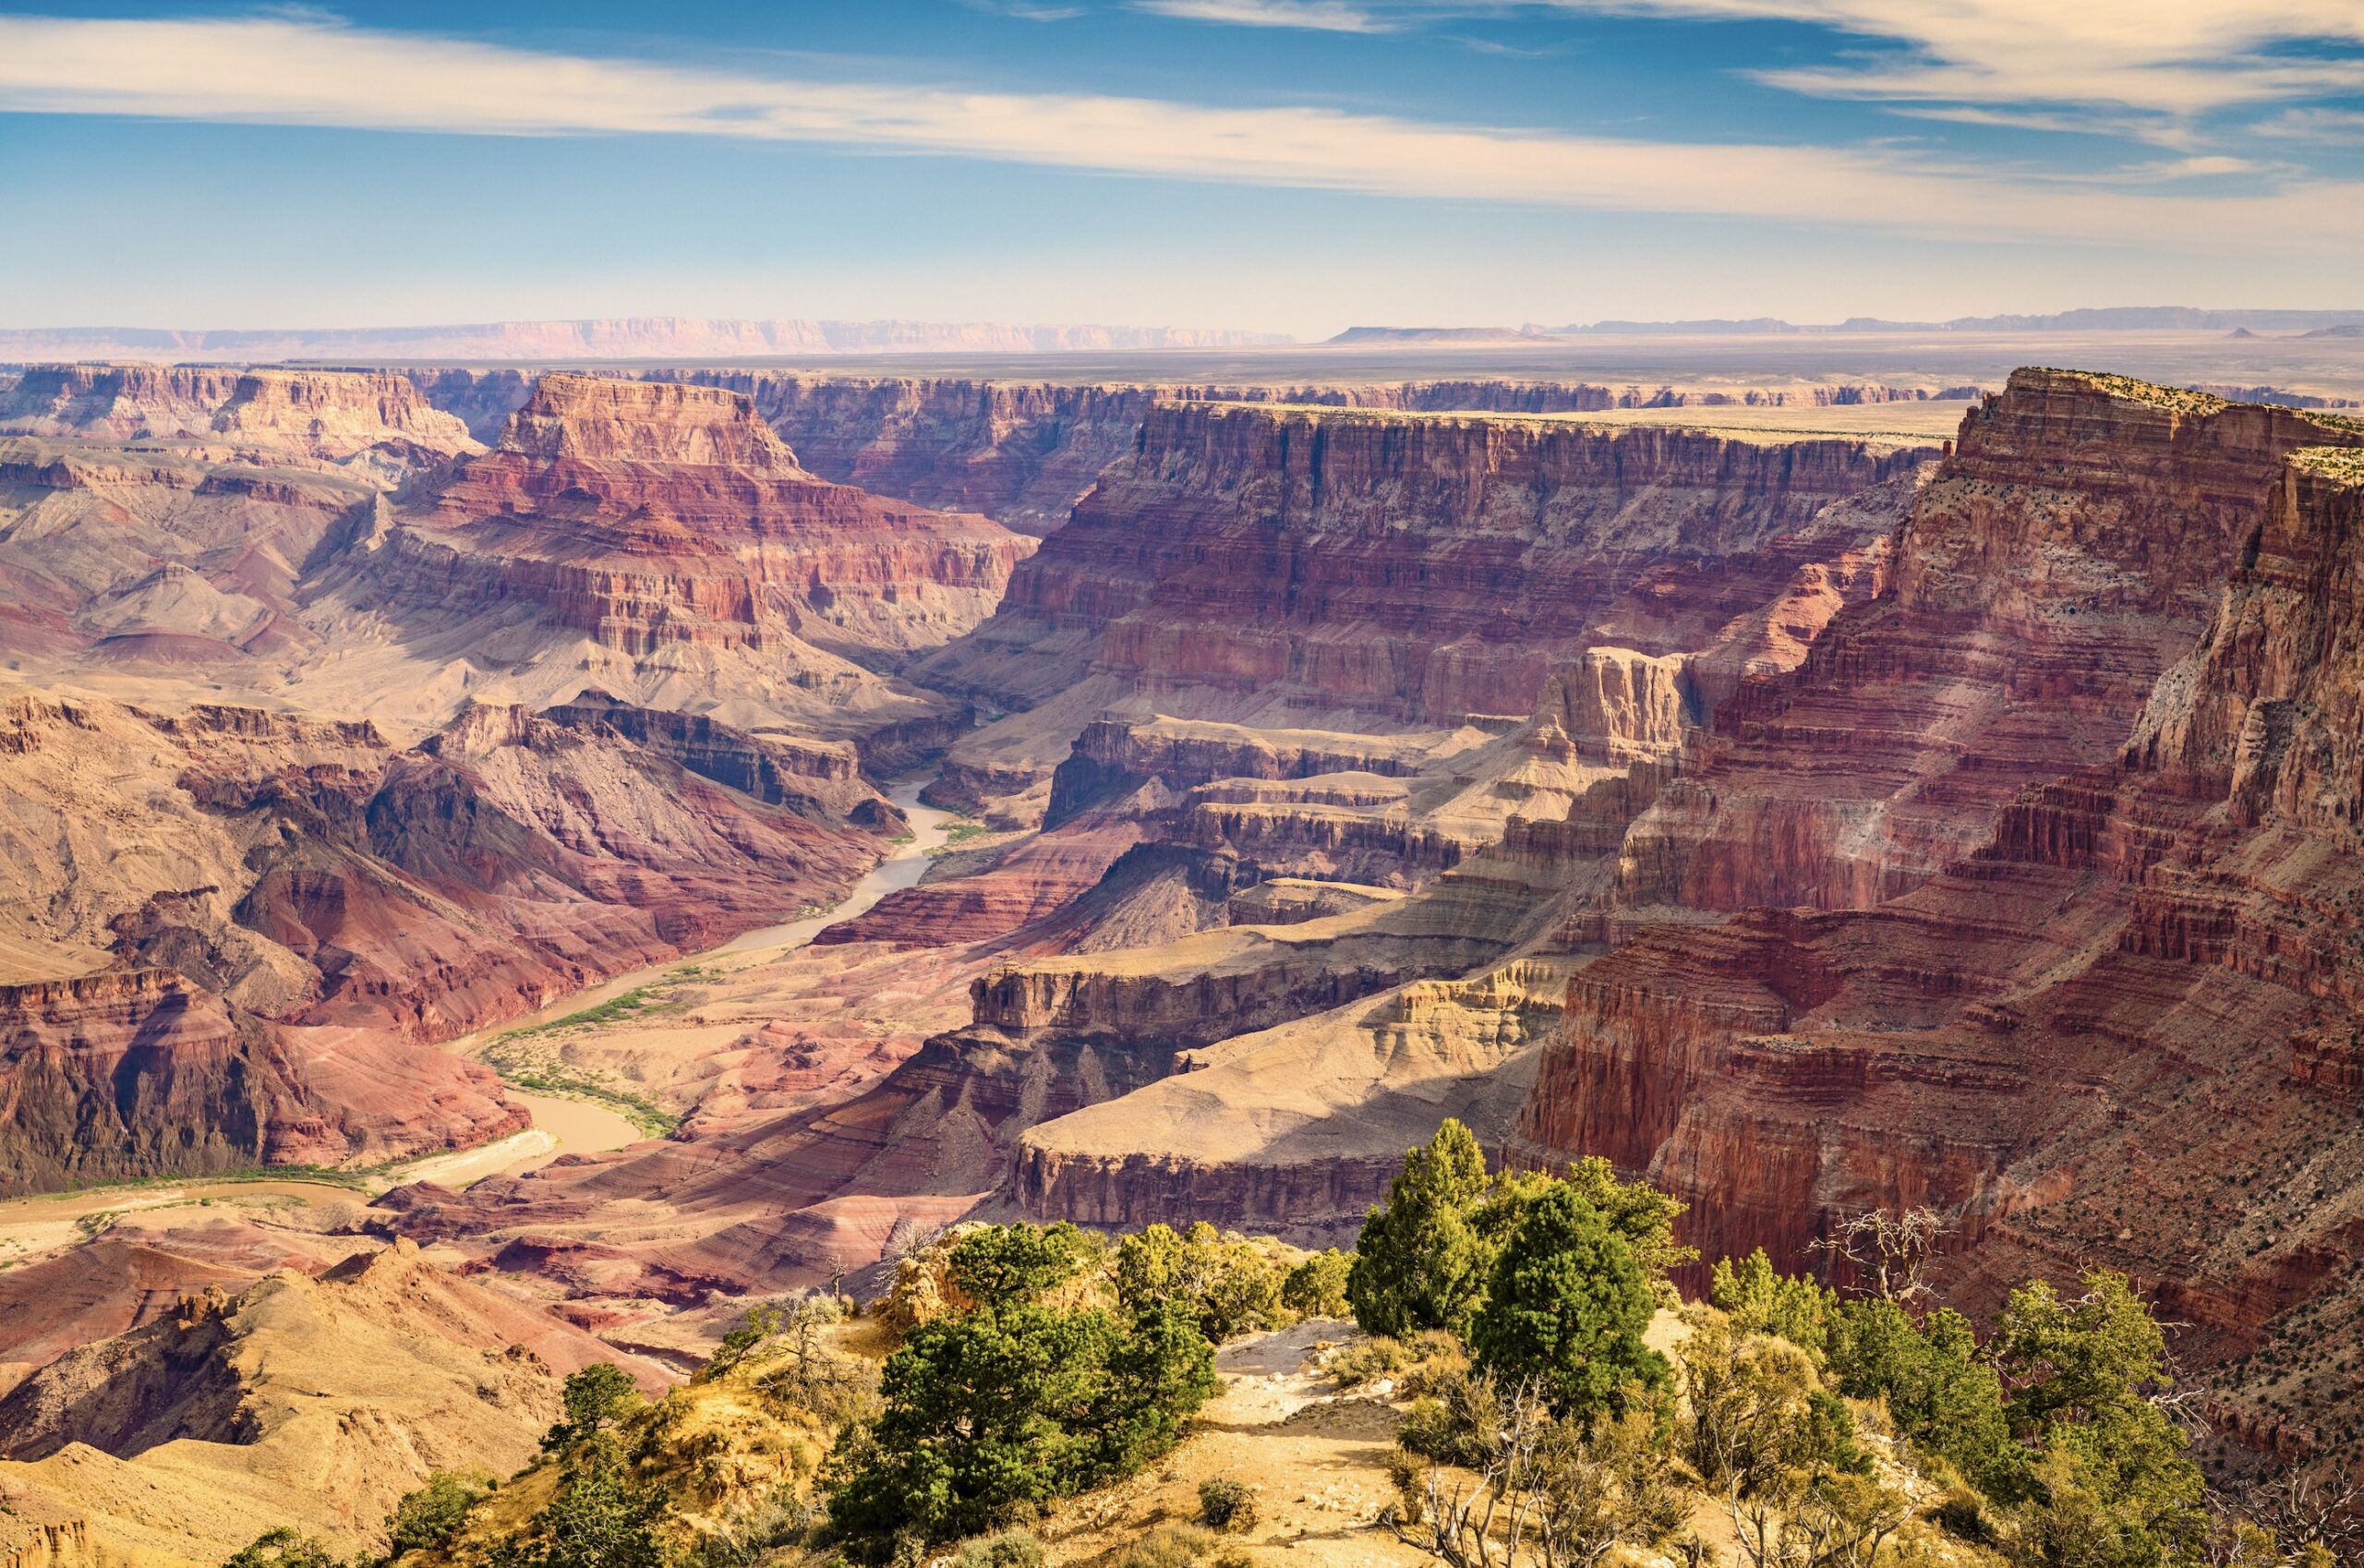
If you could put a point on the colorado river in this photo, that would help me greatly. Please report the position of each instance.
(29, 1226)
(579, 1126)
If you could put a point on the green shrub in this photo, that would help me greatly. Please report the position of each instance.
(600, 1518)
(596, 1398)
(428, 1518)
(1566, 1302)
(1010, 1548)
(1000, 1265)
(1228, 1506)
(1941, 1391)
(1224, 1281)
(988, 1414)
(282, 1548)
(1424, 1260)
(1419, 1263)
(1759, 1300)
(1317, 1287)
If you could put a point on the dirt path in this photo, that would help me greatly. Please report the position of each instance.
(1314, 1458)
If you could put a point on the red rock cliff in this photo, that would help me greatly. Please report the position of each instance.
(2063, 557)
(641, 513)
(1422, 567)
(2144, 981)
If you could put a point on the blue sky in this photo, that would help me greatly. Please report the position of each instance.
(1289, 165)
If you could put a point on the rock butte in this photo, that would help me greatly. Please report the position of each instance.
(1807, 822)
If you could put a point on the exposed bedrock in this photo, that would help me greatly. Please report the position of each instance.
(1022, 452)
(637, 513)
(818, 779)
(1300, 1127)
(313, 906)
(1112, 758)
(119, 556)
(1347, 559)
(1030, 882)
(2144, 983)
(2059, 561)
(1019, 453)
(328, 414)
(1207, 987)
(130, 1072)
(314, 1401)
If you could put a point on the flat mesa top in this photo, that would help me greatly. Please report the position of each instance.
(1901, 424)
(1887, 426)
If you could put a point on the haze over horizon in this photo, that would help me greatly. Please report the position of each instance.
(1285, 166)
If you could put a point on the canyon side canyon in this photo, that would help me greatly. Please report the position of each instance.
(890, 799)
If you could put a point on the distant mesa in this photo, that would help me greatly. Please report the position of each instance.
(1354, 335)
(2114, 319)
(628, 337)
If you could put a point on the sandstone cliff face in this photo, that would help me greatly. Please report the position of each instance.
(2137, 990)
(1019, 453)
(2062, 557)
(482, 400)
(1024, 452)
(660, 542)
(816, 779)
(1336, 1099)
(1113, 759)
(128, 1073)
(1231, 549)
(328, 414)
(642, 512)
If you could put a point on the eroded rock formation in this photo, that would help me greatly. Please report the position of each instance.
(268, 920)
(2133, 985)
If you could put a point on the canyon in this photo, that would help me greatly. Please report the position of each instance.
(1810, 816)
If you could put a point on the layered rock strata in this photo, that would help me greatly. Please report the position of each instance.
(660, 541)
(264, 921)
(1349, 560)
(1024, 452)
(334, 416)
(2086, 1036)
(2062, 559)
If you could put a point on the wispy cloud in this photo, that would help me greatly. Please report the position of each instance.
(1026, 10)
(305, 71)
(2166, 56)
(2333, 128)
(2162, 57)
(1317, 15)
(2159, 131)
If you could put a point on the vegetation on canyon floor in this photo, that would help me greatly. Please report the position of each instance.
(527, 1058)
(1556, 1405)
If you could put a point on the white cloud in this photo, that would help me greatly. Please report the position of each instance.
(1317, 15)
(2170, 57)
(305, 71)
(2335, 128)
(2166, 56)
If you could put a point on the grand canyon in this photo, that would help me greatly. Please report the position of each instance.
(1647, 853)
(913, 799)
